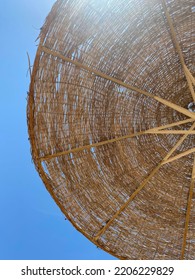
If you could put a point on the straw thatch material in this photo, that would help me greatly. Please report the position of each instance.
(105, 72)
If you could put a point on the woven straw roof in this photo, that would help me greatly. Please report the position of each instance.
(111, 133)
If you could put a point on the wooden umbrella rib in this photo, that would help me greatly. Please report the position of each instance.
(177, 46)
(173, 33)
(171, 132)
(87, 147)
(96, 72)
(119, 82)
(190, 85)
(190, 151)
(141, 186)
(189, 75)
(189, 203)
(175, 107)
(172, 124)
(178, 144)
(127, 202)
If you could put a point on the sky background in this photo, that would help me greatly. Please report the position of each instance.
(31, 225)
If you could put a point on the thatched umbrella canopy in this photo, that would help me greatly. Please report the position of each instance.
(111, 117)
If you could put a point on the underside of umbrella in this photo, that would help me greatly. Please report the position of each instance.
(111, 118)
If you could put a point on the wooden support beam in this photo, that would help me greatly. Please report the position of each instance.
(172, 124)
(175, 107)
(190, 75)
(189, 203)
(171, 132)
(119, 82)
(154, 171)
(180, 155)
(177, 46)
(133, 195)
(190, 86)
(88, 147)
(173, 33)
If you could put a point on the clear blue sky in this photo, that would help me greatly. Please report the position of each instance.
(31, 225)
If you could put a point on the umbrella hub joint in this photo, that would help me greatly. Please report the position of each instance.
(191, 107)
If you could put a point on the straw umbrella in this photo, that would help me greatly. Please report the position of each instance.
(111, 118)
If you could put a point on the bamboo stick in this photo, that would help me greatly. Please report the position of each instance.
(190, 151)
(172, 124)
(174, 38)
(87, 147)
(175, 107)
(171, 132)
(105, 76)
(189, 203)
(190, 75)
(190, 85)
